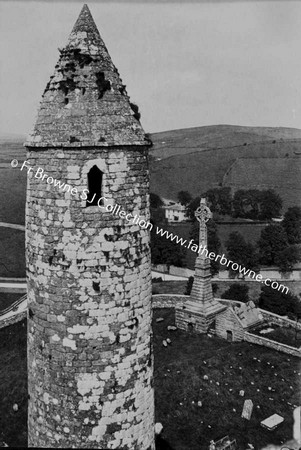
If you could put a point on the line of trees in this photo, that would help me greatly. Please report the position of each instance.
(245, 203)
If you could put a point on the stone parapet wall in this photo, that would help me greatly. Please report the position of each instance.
(252, 338)
(168, 300)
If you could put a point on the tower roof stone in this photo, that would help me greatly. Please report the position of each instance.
(85, 102)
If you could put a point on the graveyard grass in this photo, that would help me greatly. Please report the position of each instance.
(230, 367)
(179, 385)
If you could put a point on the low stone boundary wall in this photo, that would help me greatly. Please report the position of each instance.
(13, 319)
(15, 316)
(253, 339)
(279, 320)
(168, 300)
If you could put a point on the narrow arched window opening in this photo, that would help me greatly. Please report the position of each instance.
(95, 178)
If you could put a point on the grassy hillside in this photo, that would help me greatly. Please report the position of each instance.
(282, 174)
(189, 140)
(200, 170)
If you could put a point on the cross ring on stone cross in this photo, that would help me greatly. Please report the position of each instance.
(203, 213)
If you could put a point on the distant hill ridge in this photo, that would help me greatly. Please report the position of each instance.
(10, 137)
(188, 140)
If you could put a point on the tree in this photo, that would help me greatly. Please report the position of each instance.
(213, 240)
(164, 251)
(158, 216)
(192, 206)
(270, 205)
(279, 303)
(157, 213)
(184, 197)
(292, 224)
(155, 201)
(288, 257)
(219, 200)
(246, 203)
(273, 240)
(241, 252)
(237, 292)
(254, 204)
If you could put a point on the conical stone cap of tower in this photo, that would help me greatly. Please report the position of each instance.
(85, 102)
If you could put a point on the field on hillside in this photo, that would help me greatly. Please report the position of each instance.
(262, 173)
(270, 379)
(188, 140)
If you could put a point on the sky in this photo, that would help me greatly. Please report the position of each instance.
(185, 64)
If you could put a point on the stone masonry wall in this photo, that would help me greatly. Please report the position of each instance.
(89, 299)
(272, 344)
(168, 300)
(282, 321)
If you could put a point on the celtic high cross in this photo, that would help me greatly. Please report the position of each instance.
(203, 214)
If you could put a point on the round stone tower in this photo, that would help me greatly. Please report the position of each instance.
(88, 258)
